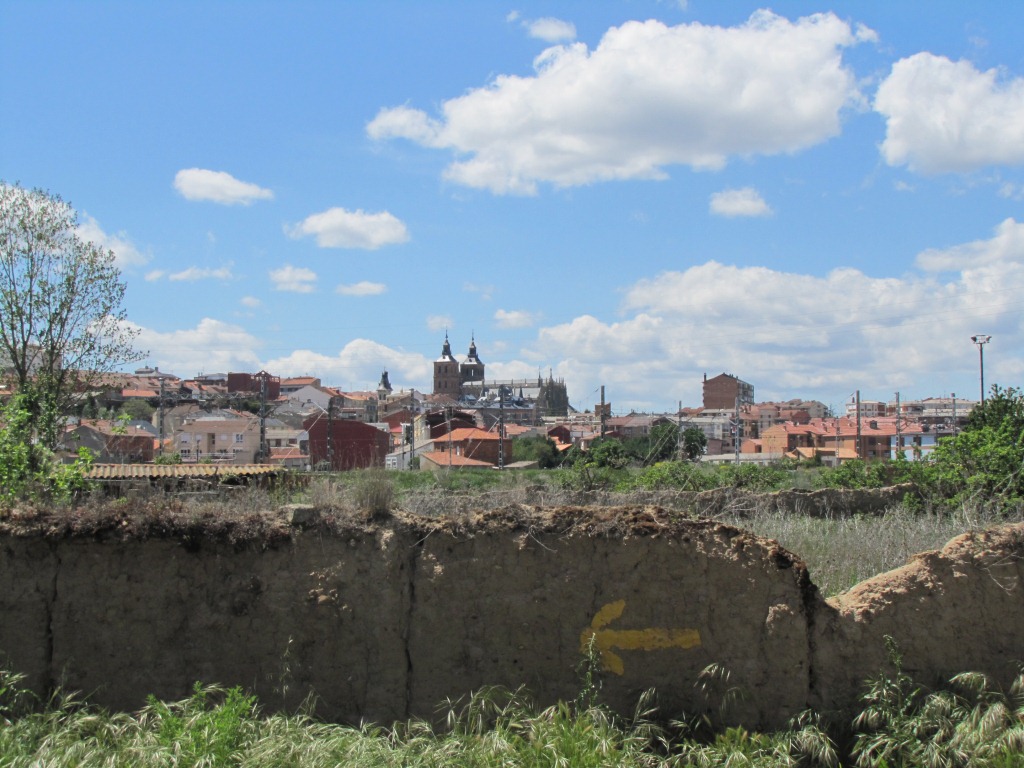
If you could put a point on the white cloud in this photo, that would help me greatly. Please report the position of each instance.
(739, 202)
(551, 30)
(358, 365)
(944, 116)
(439, 323)
(293, 279)
(338, 228)
(218, 187)
(155, 274)
(125, 252)
(212, 346)
(251, 302)
(201, 273)
(1006, 247)
(647, 97)
(799, 335)
(514, 318)
(362, 288)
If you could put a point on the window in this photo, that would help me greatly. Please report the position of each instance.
(239, 437)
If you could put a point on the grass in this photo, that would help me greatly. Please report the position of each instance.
(969, 723)
(843, 551)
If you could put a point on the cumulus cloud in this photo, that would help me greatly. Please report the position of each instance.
(251, 302)
(551, 30)
(358, 364)
(943, 116)
(339, 228)
(514, 318)
(212, 346)
(201, 273)
(739, 202)
(293, 279)
(1007, 246)
(125, 252)
(799, 335)
(647, 97)
(218, 187)
(362, 288)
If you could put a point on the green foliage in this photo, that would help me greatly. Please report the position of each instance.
(986, 460)
(605, 452)
(210, 727)
(28, 469)
(969, 723)
(539, 448)
(61, 315)
(137, 409)
(695, 443)
(168, 458)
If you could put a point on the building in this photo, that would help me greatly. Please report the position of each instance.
(110, 442)
(451, 377)
(228, 441)
(344, 444)
(727, 392)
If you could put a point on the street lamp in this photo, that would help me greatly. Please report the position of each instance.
(981, 340)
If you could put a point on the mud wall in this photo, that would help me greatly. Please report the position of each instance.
(386, 620)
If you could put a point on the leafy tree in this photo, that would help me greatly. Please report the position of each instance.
(536, 448)
(29, 469)
(138, 410)
(606, 452)
(987, 458)
(695, 442)
(62, 324)
(664, 442)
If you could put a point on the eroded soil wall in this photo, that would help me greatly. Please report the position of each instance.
(382, 621)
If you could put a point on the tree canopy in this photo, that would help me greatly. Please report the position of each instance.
(62, 323)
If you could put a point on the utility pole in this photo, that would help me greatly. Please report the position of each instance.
(953, 395)
(736, 433)
(899, 431)
(263, 419)
(161, 417)
(981, 340)
(602, 410)
(501, 426)
(330, 433)
(860, 447)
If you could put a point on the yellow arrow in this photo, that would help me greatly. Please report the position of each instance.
(651, 639)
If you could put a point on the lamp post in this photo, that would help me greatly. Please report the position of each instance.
(981, 340)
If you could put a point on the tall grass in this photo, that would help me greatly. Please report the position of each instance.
(842, 551)
(970, 723)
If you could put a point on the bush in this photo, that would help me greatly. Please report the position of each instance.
(374, 493)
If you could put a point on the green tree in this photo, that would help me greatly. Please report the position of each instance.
(62, 324)
(664, 442)
(987, 458)
(537, 448)
(695, 442)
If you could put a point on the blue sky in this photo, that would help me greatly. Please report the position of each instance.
(817, 198)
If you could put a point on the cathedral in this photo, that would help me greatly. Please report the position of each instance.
(452, 377)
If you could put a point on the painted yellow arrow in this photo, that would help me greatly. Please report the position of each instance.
(651, 639)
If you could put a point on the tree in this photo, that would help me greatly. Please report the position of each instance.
(539, 448)
(986, 460)
(62, 324)
(695, 442)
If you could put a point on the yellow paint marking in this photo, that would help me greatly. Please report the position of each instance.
(651, 639)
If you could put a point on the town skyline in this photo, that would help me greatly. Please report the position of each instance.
(815, 199)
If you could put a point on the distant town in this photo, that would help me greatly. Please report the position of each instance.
(467, 421)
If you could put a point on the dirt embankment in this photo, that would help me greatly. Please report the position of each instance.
(387, 619)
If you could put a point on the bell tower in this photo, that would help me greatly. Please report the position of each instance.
(446, 372)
